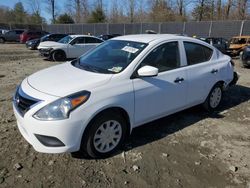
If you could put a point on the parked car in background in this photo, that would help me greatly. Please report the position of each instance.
(71, 46)
(3, 31)
(220, 43)
(93, 103)
(11, 36)
(31, 34)
(107, 37)
(245, 57)
(33, 44)
(237, 45)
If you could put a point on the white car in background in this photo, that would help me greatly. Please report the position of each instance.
(69, 47)
(92, 104)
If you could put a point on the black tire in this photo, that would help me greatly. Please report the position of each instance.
(2, 40)
(59, 55)
(211, 105)
(88, 145)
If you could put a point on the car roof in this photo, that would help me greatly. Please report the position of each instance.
(245, 36)
(147, 38)
(74, 36)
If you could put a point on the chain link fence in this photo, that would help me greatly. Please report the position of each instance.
(225, 29)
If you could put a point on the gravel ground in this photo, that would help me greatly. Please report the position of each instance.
(189, 149)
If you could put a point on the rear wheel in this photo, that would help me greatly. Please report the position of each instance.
(58, 56)
(214, 98)
(105, 135)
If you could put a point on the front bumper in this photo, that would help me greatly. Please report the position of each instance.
(68, 132)
(45, 52)
(233, 52)
(31, 46)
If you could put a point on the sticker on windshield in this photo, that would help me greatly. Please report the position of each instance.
(115, 69)
(130, 49)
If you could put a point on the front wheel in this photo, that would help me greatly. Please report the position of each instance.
(105, 135)
(214, 98)
(58, 56)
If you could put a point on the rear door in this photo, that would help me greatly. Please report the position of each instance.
(91, 42)
(202, 72)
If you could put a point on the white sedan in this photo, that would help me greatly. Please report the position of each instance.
(69, 47)
(92, 104)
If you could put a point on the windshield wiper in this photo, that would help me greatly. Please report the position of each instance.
(90, 68)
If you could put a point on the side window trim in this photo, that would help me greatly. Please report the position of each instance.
(205, 45)
(181, 56)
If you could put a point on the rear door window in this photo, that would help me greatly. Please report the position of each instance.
(92, 40)
(79, 40)
(197, 53)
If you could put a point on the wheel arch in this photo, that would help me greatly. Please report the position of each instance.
(114, 109)
(58, 50)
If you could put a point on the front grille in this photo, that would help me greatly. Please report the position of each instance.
(23, 102)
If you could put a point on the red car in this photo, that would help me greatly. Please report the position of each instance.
(31, 34)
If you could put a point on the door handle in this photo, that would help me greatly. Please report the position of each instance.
(179, 80)
(214, 71)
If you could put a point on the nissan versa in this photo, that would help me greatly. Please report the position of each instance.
(91, 104)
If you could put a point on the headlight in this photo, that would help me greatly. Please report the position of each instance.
(48, 49)
(61, 108)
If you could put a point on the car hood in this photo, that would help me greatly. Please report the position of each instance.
(236, 46)
(50, 44)
(33, 40)
(65, 79)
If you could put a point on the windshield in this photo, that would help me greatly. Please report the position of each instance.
(112, 56)
(238, 41)
(65, 40)
(44, 38)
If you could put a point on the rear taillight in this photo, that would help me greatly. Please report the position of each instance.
(232, 63)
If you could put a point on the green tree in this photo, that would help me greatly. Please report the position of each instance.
(204, 10)
(64, 19)
(161, 11)
(19, 13)
(36, 18)
(97, 15)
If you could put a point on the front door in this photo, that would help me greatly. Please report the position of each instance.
(76, 48)
(165, 93)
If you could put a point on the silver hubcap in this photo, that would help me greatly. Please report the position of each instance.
(107, 136)
(215, 97)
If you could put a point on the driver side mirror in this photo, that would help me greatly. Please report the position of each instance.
(147, 71)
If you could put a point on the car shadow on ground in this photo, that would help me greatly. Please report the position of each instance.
(163, 127)
(168, 125)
